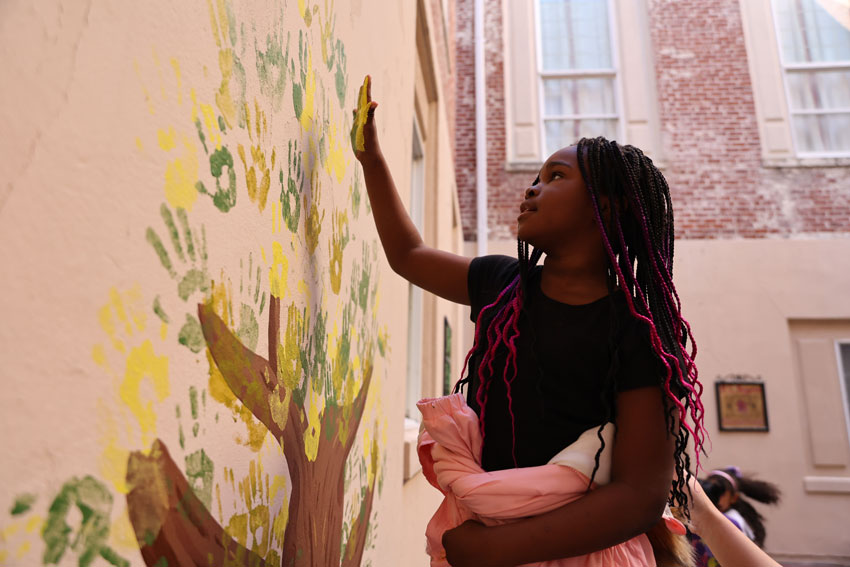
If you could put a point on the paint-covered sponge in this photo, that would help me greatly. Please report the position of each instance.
(363, 105)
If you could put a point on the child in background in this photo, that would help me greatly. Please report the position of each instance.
(726, 489)
(729, 545)
(594, 335)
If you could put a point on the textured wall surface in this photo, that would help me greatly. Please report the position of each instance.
(192, 291)
(711, 147)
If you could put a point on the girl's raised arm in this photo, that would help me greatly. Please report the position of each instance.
(439, 272)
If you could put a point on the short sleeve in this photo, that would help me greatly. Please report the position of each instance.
(487, 277)
(639, 365)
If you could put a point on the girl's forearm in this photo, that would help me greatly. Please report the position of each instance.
(728, 544)
(396, 230)
(610, 515)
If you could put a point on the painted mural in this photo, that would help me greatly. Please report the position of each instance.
(272, 346)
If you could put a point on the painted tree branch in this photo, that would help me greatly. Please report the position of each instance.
(314, 528)
(169, 520)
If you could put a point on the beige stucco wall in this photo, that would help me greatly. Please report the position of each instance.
(747, 301)
(127, 127)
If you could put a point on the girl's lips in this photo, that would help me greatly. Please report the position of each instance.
(524, 214)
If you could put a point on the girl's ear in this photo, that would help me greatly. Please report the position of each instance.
(734, 498)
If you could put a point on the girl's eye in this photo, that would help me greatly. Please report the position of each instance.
(556, 174)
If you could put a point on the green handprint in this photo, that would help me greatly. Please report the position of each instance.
(271, 68)
(224, 198)
(94, 502)
(249, 329)
(354, 191)
(341, 76)
(290, 193)
(195, 278)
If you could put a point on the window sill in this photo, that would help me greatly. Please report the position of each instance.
(410, 456)
(827, 484)
(806, 162)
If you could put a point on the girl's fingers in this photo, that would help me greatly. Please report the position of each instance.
(369, 88)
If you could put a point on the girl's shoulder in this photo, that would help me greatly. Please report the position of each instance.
(487, 277)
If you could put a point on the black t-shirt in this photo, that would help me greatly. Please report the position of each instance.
(563, 358)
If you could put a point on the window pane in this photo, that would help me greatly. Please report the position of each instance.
(823, 133)
(561, 133)
(579, 96)
(819, 89)
(809, 33)
(844, 349)
(575, 35)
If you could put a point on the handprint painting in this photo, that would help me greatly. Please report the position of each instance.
(198, 336)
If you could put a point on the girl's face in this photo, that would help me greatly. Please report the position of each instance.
(557, 212)
(726, 500)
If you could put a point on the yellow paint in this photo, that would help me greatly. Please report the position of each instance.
(237, 528)
(11, 530)
(98, 354)
(121, 534)
(279, 271)
(176, 66)
(34, 524)
(23, 549)
(221, 392)
(148, 99)
(139, 144)
(226, 60)
(143, 363)
(327, 31)
(163, 331)
(313, 222)
(158, 72)
(167, 140)
(258, 174)
(314, 424)
(336, 163)
(4, 556)
(289, 352)
(363, 106)
(113, 459)
(309, 86)
(340, 230)
(181, 174)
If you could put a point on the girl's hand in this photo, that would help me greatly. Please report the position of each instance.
(700, 506)
(364, 136)
(462, 545)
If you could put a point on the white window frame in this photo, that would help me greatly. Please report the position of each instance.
(415, 326)
(769, 92)
(792, 67)
(613, 72)
(636, 93)
(844, 381)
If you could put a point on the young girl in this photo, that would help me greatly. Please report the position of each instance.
(595, 335)
(726, 489)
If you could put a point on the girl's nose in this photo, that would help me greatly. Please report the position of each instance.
(531, 191)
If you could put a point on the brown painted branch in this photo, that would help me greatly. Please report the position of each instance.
(357, 535)
(170, 522)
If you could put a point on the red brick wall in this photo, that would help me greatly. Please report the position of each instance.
(713, 161)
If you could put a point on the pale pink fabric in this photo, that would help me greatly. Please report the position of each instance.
(449, 449)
